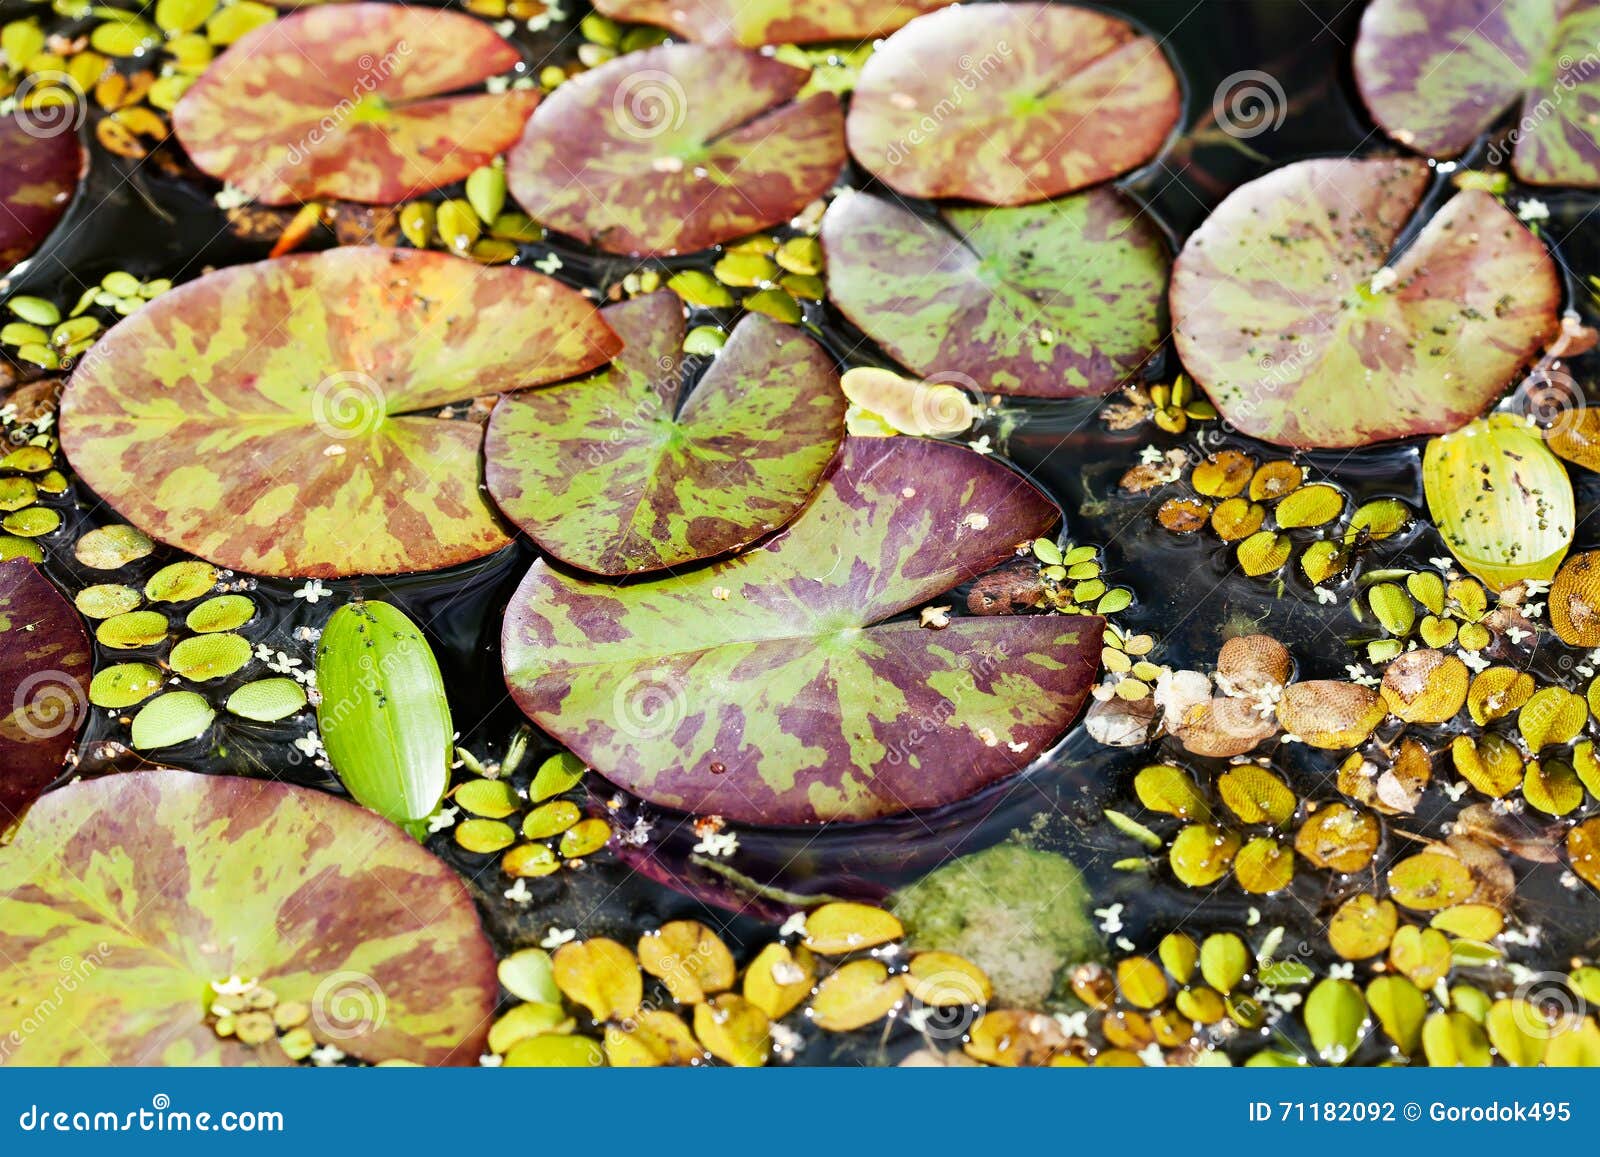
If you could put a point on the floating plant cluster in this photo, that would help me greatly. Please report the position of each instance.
(755, 393)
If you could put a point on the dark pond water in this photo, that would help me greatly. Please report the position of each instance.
(1189, 595)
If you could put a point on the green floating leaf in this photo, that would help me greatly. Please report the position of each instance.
(181, 582)
(1501, 500)
(300, 397)
(677, 148)
(267, 700)
(1011, 104)
(622, 473)
(124, 684)
(124, 899)
(220, 613)
(768, 689)
(43, 679)
(997, 297)
(560, 773)
(210, 656)
(1437, 74)
(1289, 313)
(171, 719)
(384, 719)
(1336, 1018)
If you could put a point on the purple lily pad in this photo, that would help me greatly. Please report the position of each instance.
(41, 162)
(770, 689)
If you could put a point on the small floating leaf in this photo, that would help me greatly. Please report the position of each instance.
(111, 547)
(733, 1030)
(601, 975)
(843, 926)
(124, 684)
(267, 700)
(384, 718)
(780, 978)
(205, 657)
(689, 958)
(132, 630)
(560, 773)
(855, 995)
(171, 719)
(491, 798)
(527, 974)
(220, 613)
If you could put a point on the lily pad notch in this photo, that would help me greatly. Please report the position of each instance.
(780, 687)
(284, 418)
(627, 472)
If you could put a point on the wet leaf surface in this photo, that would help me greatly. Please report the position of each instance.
(363, 102)
(1055, 300)
(1436, 74)
(1290, 316)
(771, 21)
(677, 148)
(44, 685)
(271, 417)
(635, 471)
(749, 688)
(37, 179)
(157, 884)
(1050, 99)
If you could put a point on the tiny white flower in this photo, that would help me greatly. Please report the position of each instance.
(326, 1055)
(1152, 1056)
(489, 1061)
(721, 844)
(795, 925)
(1325, 596)
(1151, 455)
(556, 937)
(1474, 660)
(981, 445)
(518, 893)
(313, 591)
(443, 818)
(548, 264)
(1342, 971)
(1533, 209)
(1110, 919)
(1456, 790)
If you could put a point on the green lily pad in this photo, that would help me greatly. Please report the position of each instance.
(1062, 299)
(1008, 104)
(147, 888)
(769, 21)
(1437, 74)
(1501, 500)
(1288, 311)
(44, 681)
(622, 473)
(769, 688)
(43, 162)
(676, 149)
(279, 418)
(362, 102)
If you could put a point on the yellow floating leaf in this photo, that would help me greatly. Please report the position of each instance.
(1454, 1039)
(855, 995)
(1575, 600)
(1429, 881)
(945, 980)
(779, 978)
(1256, 795)
(649, 1040)
(1490, 763)
(1496, 693)
(1425, 686)
(1263, 865)
(733, 1030)
(1161, 787)
(1013, 1038)
(689, 958)
(1201, 854)
(1338, 837)
(1552, 715)
(601, 975)
(1362, 926)
(1141, 981)
(1423, 954)
(843, 926)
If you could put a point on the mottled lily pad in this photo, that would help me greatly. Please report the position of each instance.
(1436, 74)
(677, 148)
(154, 885)
(753, 24)
(44, 685)
(1289, 314)
(1061, 299)
(769, 689)
(39, 173)
(362, 102)
(1011, 103)
(277, 418)
(622, 474)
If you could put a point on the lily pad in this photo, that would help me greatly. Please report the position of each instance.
(44, 685)
(43, 161)
(277, 418)
(1008, 104)
(1437, 74)
(769, 689)
(676, 149)
(1288, 311)
(769, 21)
(622, 473)
(155, 885)
(362, 102)
(1062, 299)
